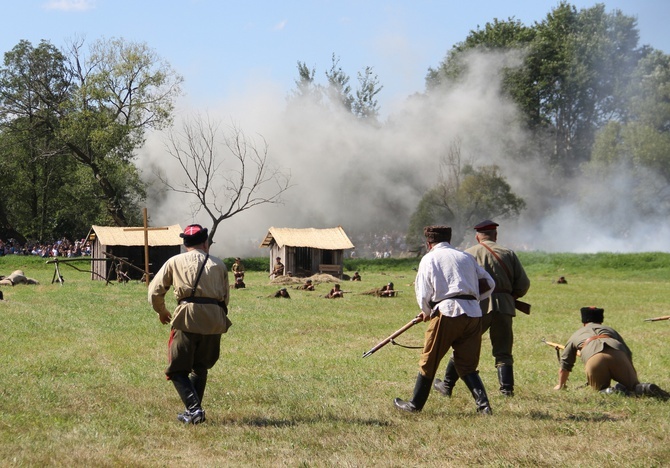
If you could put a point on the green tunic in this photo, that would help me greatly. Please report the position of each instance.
(593, 347)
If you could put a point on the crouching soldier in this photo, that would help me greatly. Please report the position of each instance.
(606, 357)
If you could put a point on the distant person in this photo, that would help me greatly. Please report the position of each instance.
(605, 356)
(356, 277)
(308, 286)
(278, 269)
(200, 283)
(562, 280)
(336, 292)
(283, 293)
(17, 277)
(387, 290)
(238, 268)
(499, 310)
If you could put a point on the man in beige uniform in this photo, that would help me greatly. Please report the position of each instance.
(201, 288)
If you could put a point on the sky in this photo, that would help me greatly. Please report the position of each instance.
(224, 47)
(239, 62)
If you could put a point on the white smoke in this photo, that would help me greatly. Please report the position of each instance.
(369, 178)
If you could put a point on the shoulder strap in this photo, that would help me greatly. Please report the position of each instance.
(197, 279)
(497, 257)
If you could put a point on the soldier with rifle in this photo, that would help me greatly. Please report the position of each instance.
(511, 284)
(449, 285)
(606, 357)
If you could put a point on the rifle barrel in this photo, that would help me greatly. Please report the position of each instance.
(656, 319)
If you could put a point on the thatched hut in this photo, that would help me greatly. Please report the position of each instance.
(305, 252)
(128, 244)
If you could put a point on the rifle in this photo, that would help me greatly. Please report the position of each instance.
(656, 319)
(395, 334)
(558, 347)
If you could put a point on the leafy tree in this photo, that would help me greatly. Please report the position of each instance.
(573, 80)
(121, 90)
(338, 92)
(366, 106)
(34, 163)
(338, 89)
(641, 143)
(463, 196)
(306, 87)
(93, 107)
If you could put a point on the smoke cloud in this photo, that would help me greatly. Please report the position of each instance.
(369, 178)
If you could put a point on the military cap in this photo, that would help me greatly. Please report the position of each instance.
(194, 234)
(486, 225)
(592, 314)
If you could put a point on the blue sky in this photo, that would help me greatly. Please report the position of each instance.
(224, 48)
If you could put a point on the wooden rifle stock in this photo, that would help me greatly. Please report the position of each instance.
(656, 319)
(395, 334)
(557, 347)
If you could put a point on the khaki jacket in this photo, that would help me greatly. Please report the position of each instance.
(180, 272)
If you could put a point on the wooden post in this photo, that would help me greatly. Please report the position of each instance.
(146, 230)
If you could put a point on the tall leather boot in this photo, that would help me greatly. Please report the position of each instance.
(194, 413)
(476, 387)
(421, 392)
(446, 386)
(506, 379)
(199, 380)
(652, 390)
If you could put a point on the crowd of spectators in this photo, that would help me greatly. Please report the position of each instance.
(60, 248)
(379, 245)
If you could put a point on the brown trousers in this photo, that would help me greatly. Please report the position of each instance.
(462, 333)
(610, 364)
(189, 352)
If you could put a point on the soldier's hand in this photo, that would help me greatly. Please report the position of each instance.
(165, 317)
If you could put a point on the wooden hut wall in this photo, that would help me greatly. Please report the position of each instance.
(98, 268)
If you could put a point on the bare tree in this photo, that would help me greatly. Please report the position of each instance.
(226, 172)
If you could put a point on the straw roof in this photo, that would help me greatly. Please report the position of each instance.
(132, 236)
(324, 239)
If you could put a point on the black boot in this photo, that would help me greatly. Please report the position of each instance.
(506, 379)
(652, 390)
(421, 392)
(450, 378)
(476, 386)
(199, 380)
(194, 413)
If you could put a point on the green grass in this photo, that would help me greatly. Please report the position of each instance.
(82, 377)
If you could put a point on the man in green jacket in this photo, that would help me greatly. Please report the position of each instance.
(499, 310)
(606, 357)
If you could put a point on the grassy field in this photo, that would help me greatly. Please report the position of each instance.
(82, 381)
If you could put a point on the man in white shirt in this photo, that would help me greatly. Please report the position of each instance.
(449, 285)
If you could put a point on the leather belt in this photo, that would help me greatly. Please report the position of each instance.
(204, 300)
(591, 338)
